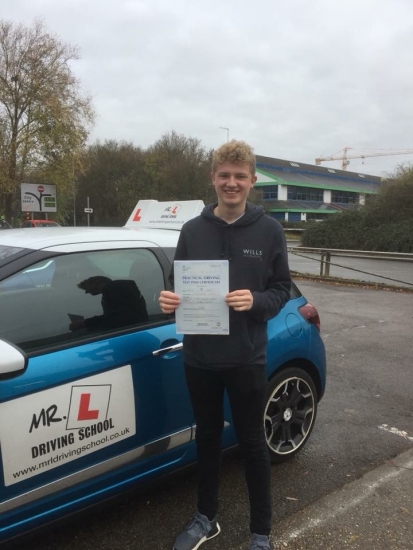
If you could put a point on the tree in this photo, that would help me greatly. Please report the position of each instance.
(117, 175)
(114, 180)
(179, 169)
(394, 201)
(385, 223)
(44, 119)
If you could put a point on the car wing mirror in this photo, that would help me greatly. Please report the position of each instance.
(13, 361)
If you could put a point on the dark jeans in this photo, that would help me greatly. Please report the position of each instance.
(246, 388)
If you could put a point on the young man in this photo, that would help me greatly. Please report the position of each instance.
(259, 284)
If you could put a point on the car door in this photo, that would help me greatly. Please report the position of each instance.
(103, 399)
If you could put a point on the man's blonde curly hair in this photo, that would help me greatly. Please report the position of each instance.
(234, 151)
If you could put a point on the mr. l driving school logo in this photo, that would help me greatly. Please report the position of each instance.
(88, 404)
(171, 211)
(55, 426)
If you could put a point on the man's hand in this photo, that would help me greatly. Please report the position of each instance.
(240, 300)
(168, 301)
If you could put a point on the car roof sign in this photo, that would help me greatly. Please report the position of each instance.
(163, 215)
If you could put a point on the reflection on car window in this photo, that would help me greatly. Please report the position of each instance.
(122, 304)
(294, 292)
(39, 275)
(6, 251)
(74, 295)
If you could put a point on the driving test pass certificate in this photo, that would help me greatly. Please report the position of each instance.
(202, 287)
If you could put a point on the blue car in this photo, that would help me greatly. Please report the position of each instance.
(93, 399)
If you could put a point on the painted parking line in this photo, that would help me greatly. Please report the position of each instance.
(395, 431)
(335, 507)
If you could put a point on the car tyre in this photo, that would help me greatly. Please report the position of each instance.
(290, 413)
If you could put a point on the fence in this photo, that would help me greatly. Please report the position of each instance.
(396, 262)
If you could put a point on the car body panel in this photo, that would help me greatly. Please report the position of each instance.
(44, 237)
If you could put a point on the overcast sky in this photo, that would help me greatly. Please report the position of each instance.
(297, 79)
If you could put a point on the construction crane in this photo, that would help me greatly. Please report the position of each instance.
(345, 157)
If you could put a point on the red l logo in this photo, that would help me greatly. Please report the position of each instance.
(136, 217)
(84, 412)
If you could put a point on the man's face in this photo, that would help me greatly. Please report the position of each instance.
(232, 183)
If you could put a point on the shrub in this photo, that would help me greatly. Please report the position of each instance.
(385, 223)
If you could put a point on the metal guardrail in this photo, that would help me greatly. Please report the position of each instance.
(355, 253)
(327, 253)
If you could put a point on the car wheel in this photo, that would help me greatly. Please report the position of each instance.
(290, 412)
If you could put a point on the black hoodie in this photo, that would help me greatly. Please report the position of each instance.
(255, 247)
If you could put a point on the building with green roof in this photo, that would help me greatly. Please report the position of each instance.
(294, 191)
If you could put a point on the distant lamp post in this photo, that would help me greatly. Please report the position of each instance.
(74, 191)
(227, 129)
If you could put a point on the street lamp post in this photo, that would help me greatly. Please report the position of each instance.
(74, 191)
(227, 129)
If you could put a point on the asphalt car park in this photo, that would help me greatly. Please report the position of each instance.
(93, 400)
(364, 421)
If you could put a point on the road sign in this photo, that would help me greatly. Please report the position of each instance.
(38, 198)
(88, 210)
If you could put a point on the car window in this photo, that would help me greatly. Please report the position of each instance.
(38, 275)
(73, 296)
(7, 251)
(294, 291)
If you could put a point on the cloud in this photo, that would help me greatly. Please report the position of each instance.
(296, 79)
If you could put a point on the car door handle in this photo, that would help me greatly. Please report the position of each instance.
(176, 347)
